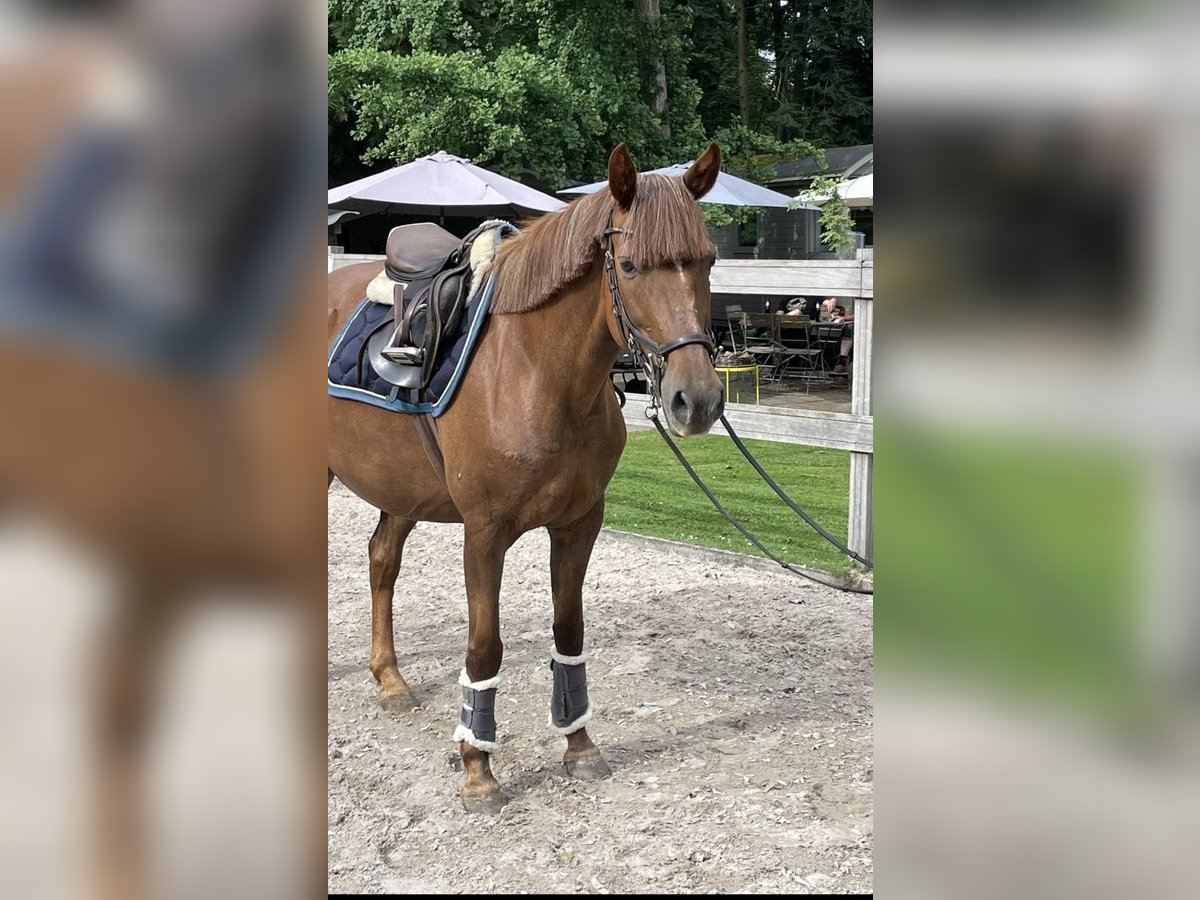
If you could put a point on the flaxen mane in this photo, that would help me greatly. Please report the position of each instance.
(664, 227)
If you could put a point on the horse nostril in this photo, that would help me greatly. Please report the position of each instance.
(679, 405)
(719, 405)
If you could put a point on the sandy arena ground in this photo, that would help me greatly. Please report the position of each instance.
(733, 703)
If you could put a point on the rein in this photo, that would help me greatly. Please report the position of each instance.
(652, 357)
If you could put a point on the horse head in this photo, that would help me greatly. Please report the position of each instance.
(658, 260)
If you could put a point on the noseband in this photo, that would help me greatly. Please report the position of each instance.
(649, 354)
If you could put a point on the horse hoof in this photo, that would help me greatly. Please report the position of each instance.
(398, 701)
(588, 766)
(488, 804)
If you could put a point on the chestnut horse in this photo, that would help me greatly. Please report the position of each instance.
(534, 434)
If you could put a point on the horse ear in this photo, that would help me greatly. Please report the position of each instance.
(700, 178)
(622, 176)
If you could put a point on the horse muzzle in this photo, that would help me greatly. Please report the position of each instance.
(692, 395)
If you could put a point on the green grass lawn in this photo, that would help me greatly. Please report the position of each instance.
(652, 494)
(1011, 562)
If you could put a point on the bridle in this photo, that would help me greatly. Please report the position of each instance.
(649, 354)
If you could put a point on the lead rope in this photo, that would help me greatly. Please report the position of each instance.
(746, 533)
(788, 500)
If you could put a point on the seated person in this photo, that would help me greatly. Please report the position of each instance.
(847, 343)
(812, 307)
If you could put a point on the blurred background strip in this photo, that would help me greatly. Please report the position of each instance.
(161, 448)
(1037, 490)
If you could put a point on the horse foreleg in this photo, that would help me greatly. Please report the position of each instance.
(570, 550)
(386, 549)
(130, 658)
(483, 558)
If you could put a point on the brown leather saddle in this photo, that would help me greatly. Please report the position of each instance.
(431, 271)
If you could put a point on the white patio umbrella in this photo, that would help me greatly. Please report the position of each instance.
(441, 183)
(728, 191)
(858, 193)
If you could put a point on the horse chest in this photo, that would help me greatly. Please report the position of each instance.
(535, 477)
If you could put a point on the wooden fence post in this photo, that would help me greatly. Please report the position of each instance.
(862, 465)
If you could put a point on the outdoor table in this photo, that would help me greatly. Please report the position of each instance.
(727, 370)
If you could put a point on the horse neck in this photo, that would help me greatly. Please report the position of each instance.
(571, 340)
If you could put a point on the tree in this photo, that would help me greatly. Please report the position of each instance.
(554, 84)
(743, 65)
(550, 85)
(823, 70)
(651, 13)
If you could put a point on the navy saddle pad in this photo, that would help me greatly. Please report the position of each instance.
(351, 376)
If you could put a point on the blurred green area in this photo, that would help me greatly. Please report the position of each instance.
(1012, 563)
(652, 494)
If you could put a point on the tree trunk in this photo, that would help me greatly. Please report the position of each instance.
(801, 13)
(781, 62)
(651, 13)
(743, 66)
(780, 51)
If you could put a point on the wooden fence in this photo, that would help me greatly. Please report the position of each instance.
(853, 431)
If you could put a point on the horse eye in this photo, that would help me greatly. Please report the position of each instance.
(628, 267)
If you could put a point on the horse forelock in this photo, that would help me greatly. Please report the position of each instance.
(664, 226)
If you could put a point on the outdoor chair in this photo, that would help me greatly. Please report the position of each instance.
(802, 355)
(733, 320)
(764, 350)
(632, 380)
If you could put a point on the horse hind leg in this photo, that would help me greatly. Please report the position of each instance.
(570, 710)
(386, 548)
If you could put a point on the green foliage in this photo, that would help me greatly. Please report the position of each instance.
(548, 85)
(822, 72)
(717, 216)
(401, 26)
(511, 112)
(752, 154)
(553, 85)
(836, 223)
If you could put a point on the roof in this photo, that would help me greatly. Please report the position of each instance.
(838, 160)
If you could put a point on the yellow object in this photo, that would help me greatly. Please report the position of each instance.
(728, 369)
